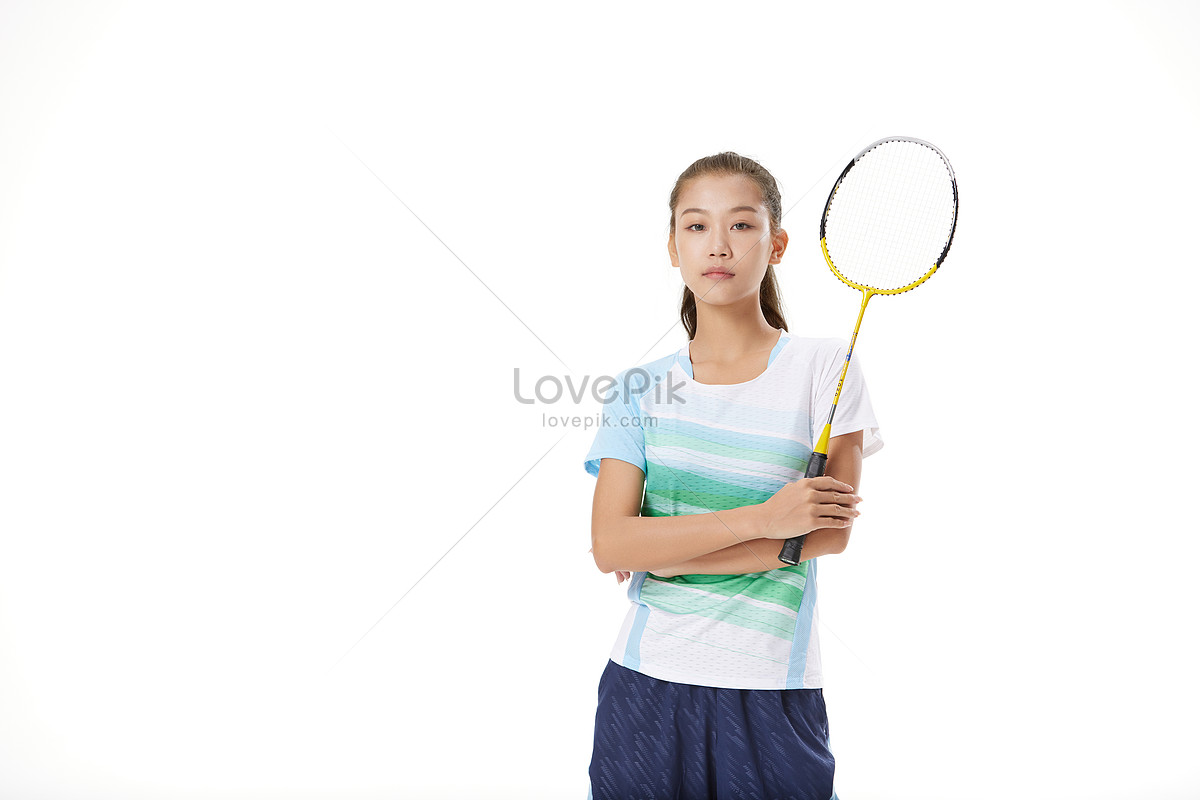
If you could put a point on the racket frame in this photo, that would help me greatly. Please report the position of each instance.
(829, 204)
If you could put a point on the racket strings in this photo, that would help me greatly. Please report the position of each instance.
(891, 216)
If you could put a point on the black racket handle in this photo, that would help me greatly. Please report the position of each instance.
(790, 553)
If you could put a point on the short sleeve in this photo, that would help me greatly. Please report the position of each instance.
(619, 433)
(854, 410)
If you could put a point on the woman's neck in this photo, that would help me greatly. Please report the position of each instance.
(727, 334)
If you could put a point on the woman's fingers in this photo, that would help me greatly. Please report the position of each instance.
(837, 510)
(827, 489)
(828, 483)
(840, 498)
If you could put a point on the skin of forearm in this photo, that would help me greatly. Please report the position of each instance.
(759, 555)
(647, 544)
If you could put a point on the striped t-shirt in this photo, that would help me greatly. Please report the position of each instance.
(705, 447)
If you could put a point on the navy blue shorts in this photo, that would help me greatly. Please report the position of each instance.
(661, 740)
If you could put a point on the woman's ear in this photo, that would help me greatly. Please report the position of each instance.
(779, 243)
(671, 251)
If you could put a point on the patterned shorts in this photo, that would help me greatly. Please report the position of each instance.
(661, 740)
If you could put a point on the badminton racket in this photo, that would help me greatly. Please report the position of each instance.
(886, 229)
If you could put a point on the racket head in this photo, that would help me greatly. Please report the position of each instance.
(890, 217)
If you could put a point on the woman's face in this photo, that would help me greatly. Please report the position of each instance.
(722, 242)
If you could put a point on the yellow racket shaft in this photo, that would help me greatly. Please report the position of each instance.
(821, 450)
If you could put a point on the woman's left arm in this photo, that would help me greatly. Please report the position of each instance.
(761, 555)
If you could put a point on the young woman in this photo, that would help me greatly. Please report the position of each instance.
(713, 687)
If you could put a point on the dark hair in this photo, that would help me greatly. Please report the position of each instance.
(729, 163)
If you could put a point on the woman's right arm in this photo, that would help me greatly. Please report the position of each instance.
(624, 540)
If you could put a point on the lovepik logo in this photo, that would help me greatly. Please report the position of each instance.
(550, 388)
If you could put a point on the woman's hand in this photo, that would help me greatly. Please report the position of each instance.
(807, 505)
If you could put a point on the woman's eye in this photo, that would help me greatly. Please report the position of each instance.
(694, 225)
(741, 223)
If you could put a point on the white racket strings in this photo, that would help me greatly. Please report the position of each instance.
(891, 215)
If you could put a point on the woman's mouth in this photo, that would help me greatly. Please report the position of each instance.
(718, 274)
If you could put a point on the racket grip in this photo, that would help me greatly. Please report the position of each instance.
(790, 552)
(816, 465)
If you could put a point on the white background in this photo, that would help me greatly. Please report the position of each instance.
(266, 274)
